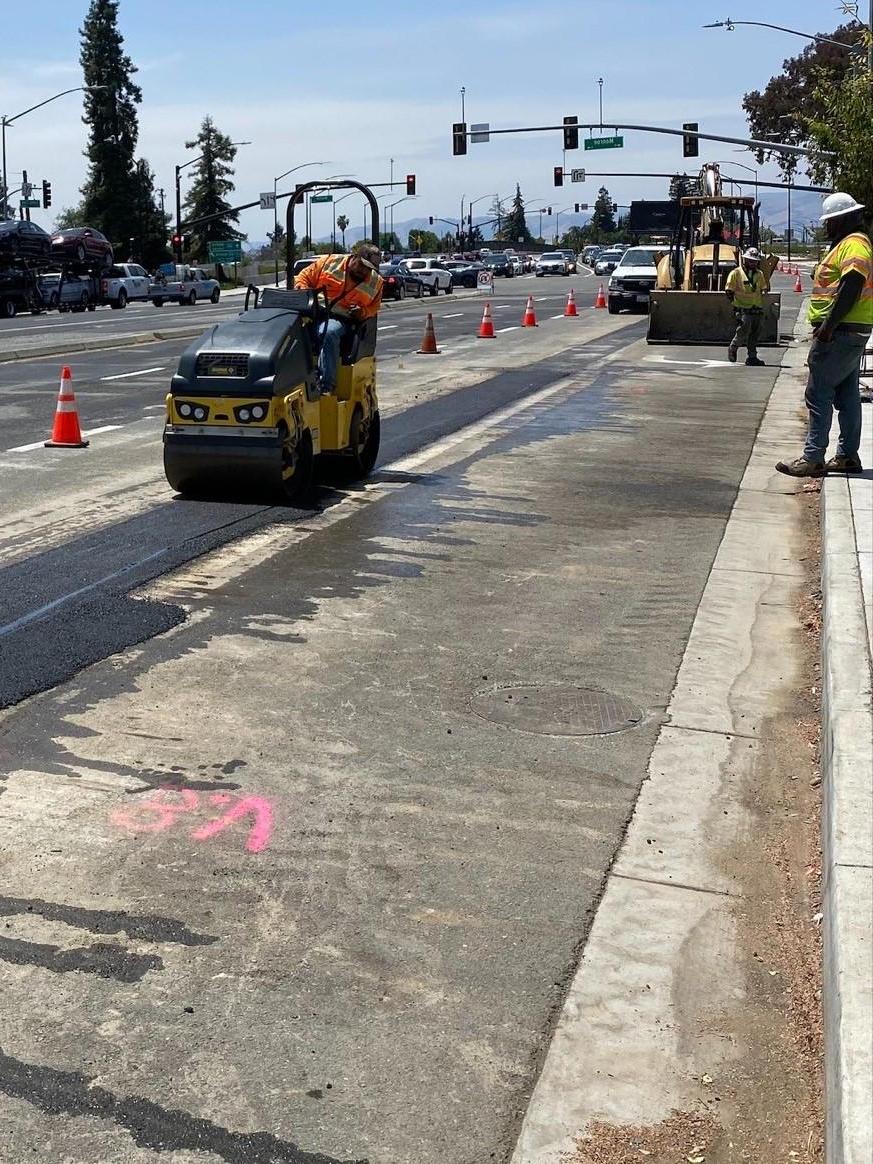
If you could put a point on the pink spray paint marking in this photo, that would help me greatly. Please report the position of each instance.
(164, 807)
(255, 806)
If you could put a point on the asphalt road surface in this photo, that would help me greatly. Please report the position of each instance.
(303, 837)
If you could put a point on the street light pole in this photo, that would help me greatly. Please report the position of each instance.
(4, 121)
(600, 84)
(276, 182)
(731, 24)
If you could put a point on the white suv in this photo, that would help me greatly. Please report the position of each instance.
(432, 273)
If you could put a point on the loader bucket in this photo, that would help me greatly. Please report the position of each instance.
(703, 317)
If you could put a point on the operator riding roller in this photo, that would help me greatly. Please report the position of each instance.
(244, 412)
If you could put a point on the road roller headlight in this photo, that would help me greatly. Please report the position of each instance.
(190, 410)
(246, 413)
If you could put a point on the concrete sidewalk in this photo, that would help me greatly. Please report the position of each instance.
(847, 835)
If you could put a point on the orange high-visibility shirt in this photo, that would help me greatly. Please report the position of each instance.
(330, 275)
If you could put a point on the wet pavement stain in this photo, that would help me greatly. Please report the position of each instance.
(150, 1126)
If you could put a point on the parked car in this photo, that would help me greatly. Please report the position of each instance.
(551, 263)
(465, 274)
(82, 245)
(432, 273)
(607, 261)
(590, 253)
(24, 240)
(301, 265)
(499, 265)
(633, 279)
(399, 282)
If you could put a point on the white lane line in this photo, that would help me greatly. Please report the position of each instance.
(124, 375)
(148, 407)
(561, 316)
(454, 315)
(27, 448)
(388, 326)
(104, 428)
(501, 306)
(515, 327)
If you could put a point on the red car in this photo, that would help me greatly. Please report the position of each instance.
(82, 244)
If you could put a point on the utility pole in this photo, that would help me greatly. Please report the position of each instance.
(162, 195)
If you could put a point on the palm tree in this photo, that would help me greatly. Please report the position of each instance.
(342, 222)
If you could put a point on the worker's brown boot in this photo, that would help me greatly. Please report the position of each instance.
(802, 468)
(732, 355)
(841, 464)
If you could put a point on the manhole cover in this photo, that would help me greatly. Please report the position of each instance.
(557, 711)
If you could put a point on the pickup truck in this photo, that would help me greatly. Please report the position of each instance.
(117, 286)
(189, 285)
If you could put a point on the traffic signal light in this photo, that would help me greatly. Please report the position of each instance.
(575, 207)
(430, 219)
(690, 145)
(410, 184)
(46, 194)
(549, 210)
(559, 175)
(177, 243)
(459, 138)
(571, 133)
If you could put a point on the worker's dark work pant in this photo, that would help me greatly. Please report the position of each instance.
(748, 330)
(833, 383)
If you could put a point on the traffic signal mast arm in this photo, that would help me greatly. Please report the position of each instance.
(751, 143)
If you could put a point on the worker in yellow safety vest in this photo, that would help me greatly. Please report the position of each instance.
(745, 288)
(841, 314)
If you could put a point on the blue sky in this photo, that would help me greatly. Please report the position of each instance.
(355, 84)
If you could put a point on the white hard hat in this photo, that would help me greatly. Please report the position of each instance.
(836, 204)
(753, 255)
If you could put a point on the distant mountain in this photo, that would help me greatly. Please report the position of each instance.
(805, 208)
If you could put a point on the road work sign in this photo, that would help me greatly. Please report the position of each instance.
(485, 281)
(604, 143)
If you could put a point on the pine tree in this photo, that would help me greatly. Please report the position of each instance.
(110, 193)
(603, 217)
(213, 180)
(514, 227)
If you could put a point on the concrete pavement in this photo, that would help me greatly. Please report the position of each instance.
(302, 878)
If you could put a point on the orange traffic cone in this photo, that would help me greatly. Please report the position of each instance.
(796, 269)
(570, 310)
(529, 319)
(780, 267)
(66, 433)
(798, 286)
(486, 327)
(428, 342)
(600, 301)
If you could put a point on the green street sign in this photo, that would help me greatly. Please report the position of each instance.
(33, 203)
(604, 143)
(321, 198)
(225, 251)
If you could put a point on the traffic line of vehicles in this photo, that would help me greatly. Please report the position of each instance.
(73, 270)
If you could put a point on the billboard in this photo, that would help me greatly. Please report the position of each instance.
(653, 217)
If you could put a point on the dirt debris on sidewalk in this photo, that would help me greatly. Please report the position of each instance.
(765, 1104)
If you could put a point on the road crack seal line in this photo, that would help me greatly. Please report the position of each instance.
(146, 927)
(70, 1093)
(105, 959)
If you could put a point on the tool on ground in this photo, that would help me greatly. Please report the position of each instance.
(428, 342)
(529, 319)
(600, 301)
(570, 310)
(66, 433)
(798, 286)
(486, 327)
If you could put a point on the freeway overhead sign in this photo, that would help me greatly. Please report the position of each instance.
(604, 143)
(577, 175)
(225, 251)
(321, 198)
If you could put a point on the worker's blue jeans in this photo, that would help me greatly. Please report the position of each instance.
(328, 360)
(834, 383)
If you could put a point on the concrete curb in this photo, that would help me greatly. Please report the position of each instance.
(847, 828)
(96, 345)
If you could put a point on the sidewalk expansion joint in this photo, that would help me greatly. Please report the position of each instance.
(746, 570)
(678, 885)
(684, 727)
